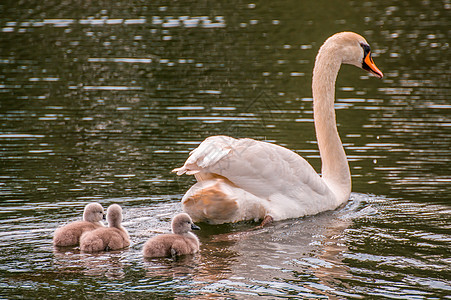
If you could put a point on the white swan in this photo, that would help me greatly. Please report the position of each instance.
(244, 179)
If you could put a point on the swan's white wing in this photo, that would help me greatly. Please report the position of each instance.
(266, 170)
(209, 152)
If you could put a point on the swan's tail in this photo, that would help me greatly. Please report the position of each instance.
(209, 152)
(208, 201)
(185, 170)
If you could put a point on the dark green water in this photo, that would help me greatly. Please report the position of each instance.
(100, 100)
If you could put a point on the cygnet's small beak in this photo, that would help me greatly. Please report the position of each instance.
(194, 227)
(104, 216)
(369, 65)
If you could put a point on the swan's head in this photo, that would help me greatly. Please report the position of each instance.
(354, 50)
(93, 212)
(182, 223)
(114, 215)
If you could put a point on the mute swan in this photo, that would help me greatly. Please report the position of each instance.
(113, 237)
(244, 179)
(181, 242)
(69, 235)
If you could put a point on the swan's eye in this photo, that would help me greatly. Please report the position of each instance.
(366, 49)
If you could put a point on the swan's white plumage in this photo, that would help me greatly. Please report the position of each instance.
(264, 178)
(208, 153)
(245, 179)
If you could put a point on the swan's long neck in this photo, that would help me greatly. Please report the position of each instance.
(115, 222)
(335, 168)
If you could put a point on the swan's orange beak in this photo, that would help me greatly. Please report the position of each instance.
(369, 65)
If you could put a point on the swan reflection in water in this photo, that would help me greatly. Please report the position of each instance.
(109, 264)
(305, 253)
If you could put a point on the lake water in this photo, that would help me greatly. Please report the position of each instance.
(100, 101)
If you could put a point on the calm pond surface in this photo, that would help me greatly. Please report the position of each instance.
(99, 101)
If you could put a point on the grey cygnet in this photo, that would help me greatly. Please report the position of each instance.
(180, 242)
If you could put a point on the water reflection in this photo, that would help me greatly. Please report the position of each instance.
(332, 254)
(255, 254)
(97, 264)
(294, 252)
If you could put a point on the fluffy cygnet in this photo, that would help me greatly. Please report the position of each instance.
(113, 237)
(69, 235)
(181, 242)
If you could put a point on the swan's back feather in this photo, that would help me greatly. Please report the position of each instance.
(209, 152)
(278, 176)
